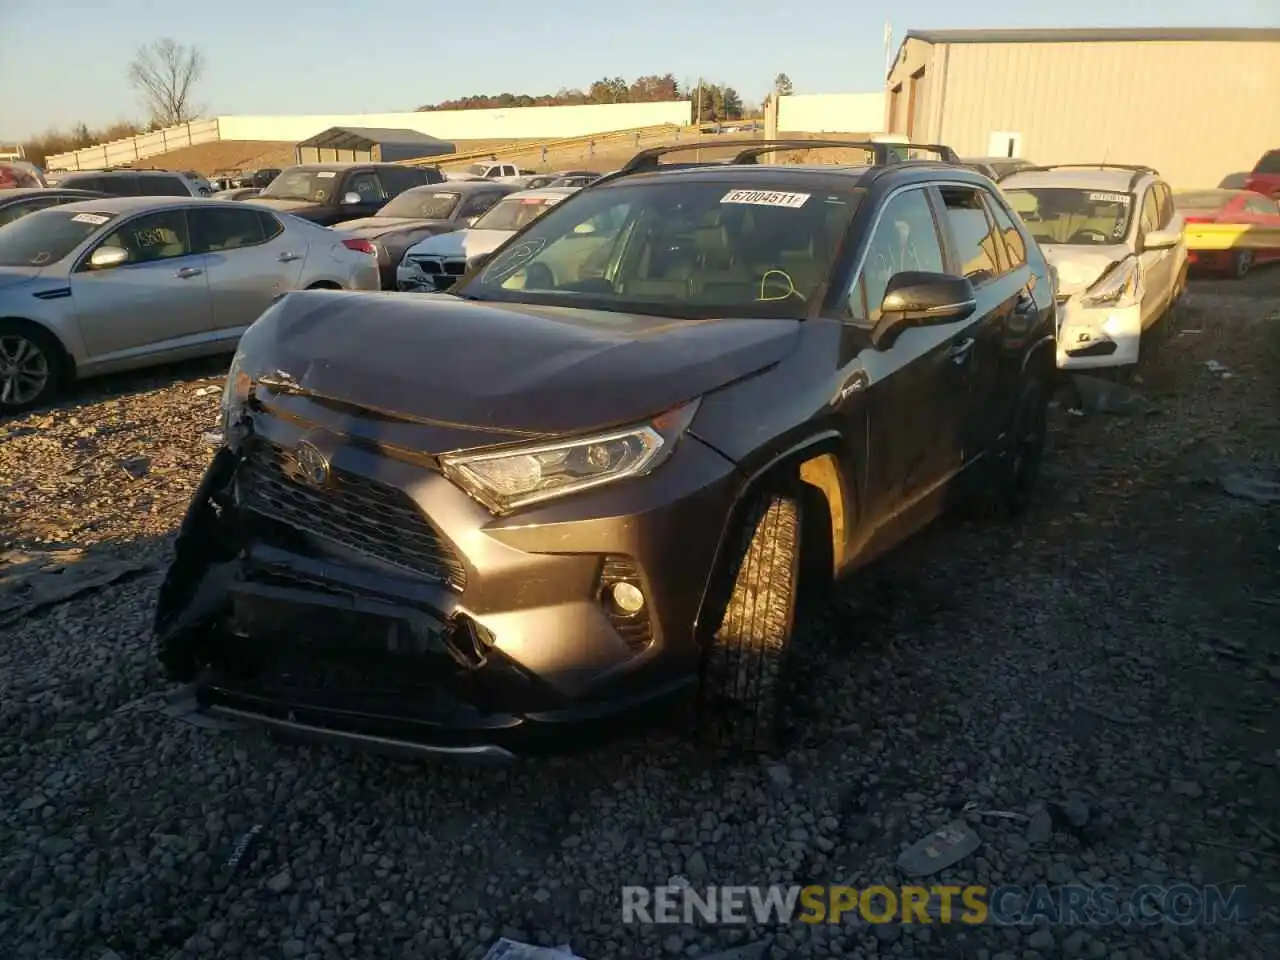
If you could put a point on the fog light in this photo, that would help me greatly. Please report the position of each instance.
(627, 598)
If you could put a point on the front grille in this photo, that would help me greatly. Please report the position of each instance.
(363, 515)
(434, 266)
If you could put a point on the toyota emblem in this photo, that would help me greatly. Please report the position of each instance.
(313, 465)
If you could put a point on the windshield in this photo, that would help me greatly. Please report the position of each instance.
(313, 185)
(1073, 216)
(514, 212)
(422, 205)
(688, 249)
(1202, 201)
(42, 238)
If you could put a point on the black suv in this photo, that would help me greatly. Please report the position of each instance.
(332, 193)
(128, 183)
(594, 475)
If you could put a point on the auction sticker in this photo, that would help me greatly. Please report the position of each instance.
(766, 198)
(96, 219)
(1109, 197)
(326, 174)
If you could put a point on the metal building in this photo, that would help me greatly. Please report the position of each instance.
(369, 145)
(1198, 105)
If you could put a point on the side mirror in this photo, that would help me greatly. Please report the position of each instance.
(921, 299)
(350, 198)
(1160, 239)
(104, 258)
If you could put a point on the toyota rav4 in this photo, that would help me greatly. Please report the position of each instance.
(591, 478)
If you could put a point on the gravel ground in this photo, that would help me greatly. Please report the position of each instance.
(1117, 650)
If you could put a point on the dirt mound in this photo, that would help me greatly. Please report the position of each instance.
(205, 158)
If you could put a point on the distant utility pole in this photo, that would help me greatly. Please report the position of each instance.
(697, 114)
(888, 47)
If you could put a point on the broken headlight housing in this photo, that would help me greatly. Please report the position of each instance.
(504, 479)
(235, 393)
(1121, 286)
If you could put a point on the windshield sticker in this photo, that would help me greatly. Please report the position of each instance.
(1109, 197)
(510, 261)
(443, 196)
(326, 174)
(96, 219)
(766, 198)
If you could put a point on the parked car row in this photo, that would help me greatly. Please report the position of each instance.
(100, 285)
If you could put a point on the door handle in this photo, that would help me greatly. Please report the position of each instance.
(959, 353)
(186, 273)
(287, 257)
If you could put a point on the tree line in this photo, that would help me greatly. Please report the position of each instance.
(719, 101)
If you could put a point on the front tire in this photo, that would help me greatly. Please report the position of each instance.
(743, 681)
(31, 367)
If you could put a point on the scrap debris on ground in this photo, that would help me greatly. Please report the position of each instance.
(1088, 696)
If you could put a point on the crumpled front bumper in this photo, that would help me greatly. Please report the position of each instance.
(320, 649)
(1093, 337)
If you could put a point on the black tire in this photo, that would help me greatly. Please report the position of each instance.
(1010, 485)
(1241, 264)
(48, 359)
(744, 687)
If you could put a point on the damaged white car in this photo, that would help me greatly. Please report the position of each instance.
(1115, 240)
(434, 264)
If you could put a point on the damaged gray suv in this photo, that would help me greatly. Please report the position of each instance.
(591, 479)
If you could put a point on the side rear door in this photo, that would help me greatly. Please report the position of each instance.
(157, 300)
(1264, 213)
(909, 398)
(1023, 314)
(396, 180)
(250, 258)
(1157, 265)
(162, 185)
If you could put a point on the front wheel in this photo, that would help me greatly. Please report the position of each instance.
(30, 367)
(743, 682)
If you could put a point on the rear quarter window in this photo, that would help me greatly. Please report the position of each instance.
(159, 186)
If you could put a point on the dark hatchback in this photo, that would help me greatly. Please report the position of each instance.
(592, 479)
(423, 212)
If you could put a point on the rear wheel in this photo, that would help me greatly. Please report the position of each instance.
(1010, 487)
(31, 367)
(743, 674)
(1241, 264)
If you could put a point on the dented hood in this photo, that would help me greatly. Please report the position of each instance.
(512, 367)
(1079, 267)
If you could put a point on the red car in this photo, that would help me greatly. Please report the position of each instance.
(1243, 207)
(1265, 178)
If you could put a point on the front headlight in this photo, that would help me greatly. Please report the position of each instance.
(235, 393)
(1121, 286)
(503, 480)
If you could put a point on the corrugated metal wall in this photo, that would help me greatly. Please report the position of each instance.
(1197, 111)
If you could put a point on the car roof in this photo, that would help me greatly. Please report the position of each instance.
(114, 173)
(815, 176)
(1112, 181)
(19, 193)
(134, 204)
(334, 165)
(544, 193)
(994, 160)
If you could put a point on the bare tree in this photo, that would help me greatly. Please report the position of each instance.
(165, 74)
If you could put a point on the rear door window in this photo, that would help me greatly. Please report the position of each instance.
(157, 185)
(978, 247)
(220, 229)
(396, 180)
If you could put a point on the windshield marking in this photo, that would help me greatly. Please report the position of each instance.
(96, 219)
(1110, 197)
(326, 175)
(766, 198)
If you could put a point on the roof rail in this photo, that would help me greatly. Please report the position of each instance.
(882, 154)
(1138, 170)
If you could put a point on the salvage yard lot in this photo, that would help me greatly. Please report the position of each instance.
(1120, 646)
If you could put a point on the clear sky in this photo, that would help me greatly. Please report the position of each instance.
(63, 61)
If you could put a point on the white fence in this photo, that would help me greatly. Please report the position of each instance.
(119, 152)
(813, 113)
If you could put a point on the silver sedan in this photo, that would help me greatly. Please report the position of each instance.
(107, 285)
